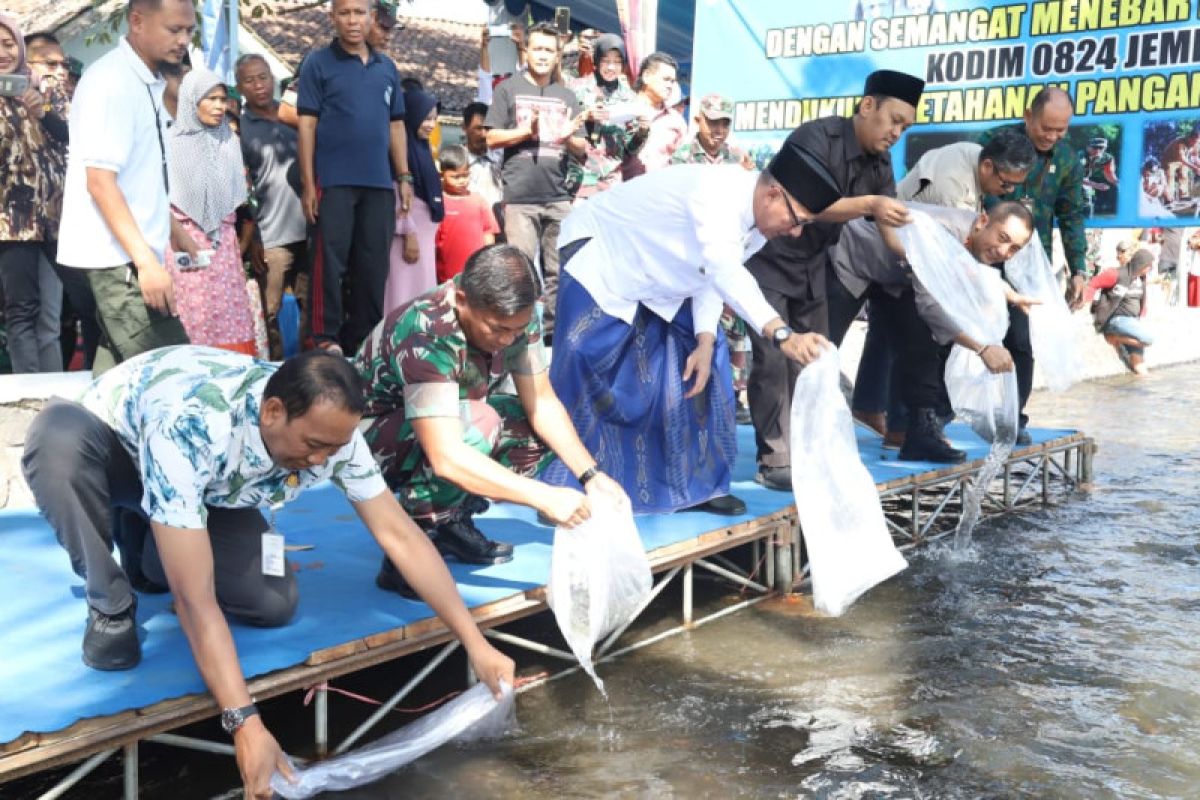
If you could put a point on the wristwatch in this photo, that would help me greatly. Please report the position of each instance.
(781, 335)
(234, 718)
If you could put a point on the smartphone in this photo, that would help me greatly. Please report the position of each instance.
(562, 19)
(499, 30)
(13, 85)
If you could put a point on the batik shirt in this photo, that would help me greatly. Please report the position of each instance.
(608, 145)
(1054, 189)
(418, 361)
(692, 152)
(188, 416)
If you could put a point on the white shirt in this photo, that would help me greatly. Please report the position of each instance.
(678, 233)
(112, 127)
(484, 172)
(946, 176)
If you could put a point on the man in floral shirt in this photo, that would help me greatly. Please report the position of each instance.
(197, 440)
(444, 433)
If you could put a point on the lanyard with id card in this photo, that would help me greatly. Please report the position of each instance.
(273, 563)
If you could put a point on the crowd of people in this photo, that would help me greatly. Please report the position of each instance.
(573, 307)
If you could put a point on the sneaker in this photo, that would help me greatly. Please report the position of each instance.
(390, 580)
(459, 538)
(725, 505)
(111, 641)
(777, 478)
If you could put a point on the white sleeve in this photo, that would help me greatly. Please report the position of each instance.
(737, 287)
(706, 310)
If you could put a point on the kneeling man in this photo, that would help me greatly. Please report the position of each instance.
(196, 440)
(444, 432)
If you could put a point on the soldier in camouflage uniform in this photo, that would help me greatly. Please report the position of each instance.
(443, 433)
(1053, 190)
(710, 145)
(608, 145)
(1099, 175)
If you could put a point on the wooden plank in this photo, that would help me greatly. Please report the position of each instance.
(384, 637)
(335, 653)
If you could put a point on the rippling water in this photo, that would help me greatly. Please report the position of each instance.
(1056, 660)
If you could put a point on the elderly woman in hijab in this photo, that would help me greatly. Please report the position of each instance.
(605, 91)
(207, 184)
(413, 269)
(32, 166)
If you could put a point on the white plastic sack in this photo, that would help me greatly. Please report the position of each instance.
(599, 577)
(973, 295)
(1050, 326)
(475, 714)
(849, 547)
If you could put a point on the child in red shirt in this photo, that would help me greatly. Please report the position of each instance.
(469, 223)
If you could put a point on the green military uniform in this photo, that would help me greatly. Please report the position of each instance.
(608, 145)
(1098, 169)
(418, 364)
(1053, 189)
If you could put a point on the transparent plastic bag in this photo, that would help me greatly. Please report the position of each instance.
(473, 715)
(849, 547)
(599, 578)
(1050, 326)
(973, 295)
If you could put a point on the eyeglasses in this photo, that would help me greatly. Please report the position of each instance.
(796, 221)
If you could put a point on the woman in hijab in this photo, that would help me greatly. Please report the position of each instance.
(207, 184)
(605, 89)
(32, 167)
(413, 266)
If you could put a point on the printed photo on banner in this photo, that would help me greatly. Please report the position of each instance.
(1170, 180)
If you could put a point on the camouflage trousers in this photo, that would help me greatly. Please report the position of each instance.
(497, 427)
(739, 347)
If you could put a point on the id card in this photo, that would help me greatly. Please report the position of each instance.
(273, 563)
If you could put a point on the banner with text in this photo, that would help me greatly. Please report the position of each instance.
(1131, 66)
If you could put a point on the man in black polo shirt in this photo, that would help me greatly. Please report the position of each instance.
(351, 124)
(792, 273)
(535, 119)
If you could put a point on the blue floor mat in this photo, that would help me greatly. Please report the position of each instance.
(44, 686)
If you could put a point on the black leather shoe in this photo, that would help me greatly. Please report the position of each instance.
(777, 478)
(390, 580)
(1023, 437)
(926, 442)
(459, 538)
(110, 641)
(726, 505)
(474, 504)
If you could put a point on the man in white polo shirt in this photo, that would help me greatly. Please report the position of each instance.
(116, 218)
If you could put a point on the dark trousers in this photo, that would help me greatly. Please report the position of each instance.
(354, 231)
(31, 348)
(1020, 347)
(773, 376)
(90, 491)
(79, 305)
(921, 360)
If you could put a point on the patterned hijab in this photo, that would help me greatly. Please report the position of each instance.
(427, 183)
(207, 177)
(15, 30)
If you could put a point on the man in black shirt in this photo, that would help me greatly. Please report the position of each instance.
(536, 119)
(792, 273)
